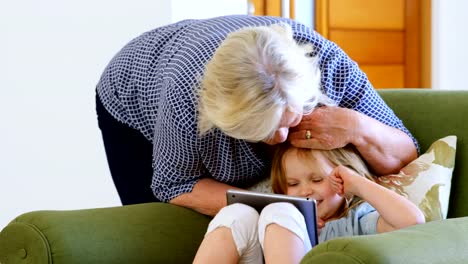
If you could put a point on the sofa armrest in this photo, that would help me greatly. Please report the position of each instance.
(443, 241)
(143, 233)
(164, 233)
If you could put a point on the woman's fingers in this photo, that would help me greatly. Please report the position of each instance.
(312, 143)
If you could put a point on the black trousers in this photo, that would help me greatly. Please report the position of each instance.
(129, 155)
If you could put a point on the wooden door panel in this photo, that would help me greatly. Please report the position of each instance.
(271, 7)
(385, 76)
(370, 47)
(381, 34)
(384, 35)
(367, 14)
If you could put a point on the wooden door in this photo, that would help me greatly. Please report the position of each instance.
(387, 38)
(271, 7)
(382, 36)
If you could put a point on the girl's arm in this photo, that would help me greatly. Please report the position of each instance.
(395, 210)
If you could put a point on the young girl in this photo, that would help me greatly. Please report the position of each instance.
(349, 203)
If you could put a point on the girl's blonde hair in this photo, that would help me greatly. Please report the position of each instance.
(254, 76)
(347, 156)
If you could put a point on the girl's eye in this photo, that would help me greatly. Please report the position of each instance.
(317, 180)
(292, 184)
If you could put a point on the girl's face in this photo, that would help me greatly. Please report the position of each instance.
(308, 178)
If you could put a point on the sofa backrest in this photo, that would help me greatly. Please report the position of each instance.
(433, 114)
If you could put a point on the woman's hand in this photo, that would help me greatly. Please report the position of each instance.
(330, 127)
(385, 149)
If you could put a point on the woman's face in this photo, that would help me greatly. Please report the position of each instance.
(308, 178)
(289, 119)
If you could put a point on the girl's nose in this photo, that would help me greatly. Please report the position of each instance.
(307, 191)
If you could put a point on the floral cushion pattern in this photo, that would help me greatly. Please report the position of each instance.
(426, 181)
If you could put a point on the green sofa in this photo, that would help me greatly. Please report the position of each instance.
(163, 233)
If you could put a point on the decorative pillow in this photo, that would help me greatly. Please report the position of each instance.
(426, 181)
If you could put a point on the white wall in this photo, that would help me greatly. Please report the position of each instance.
(449, 44)
(52, 53)
(183, 9)
(304, 12)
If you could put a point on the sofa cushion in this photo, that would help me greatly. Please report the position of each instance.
(426, 181)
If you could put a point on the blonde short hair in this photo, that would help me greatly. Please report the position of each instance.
(347, 156)
(254, 76)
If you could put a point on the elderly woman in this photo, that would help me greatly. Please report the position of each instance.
(190, 109)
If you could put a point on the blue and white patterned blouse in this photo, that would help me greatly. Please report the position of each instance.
(151, 85)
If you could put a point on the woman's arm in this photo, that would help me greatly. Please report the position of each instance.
(386, 149)
(383, 141)
(395, 210)
(207, 197)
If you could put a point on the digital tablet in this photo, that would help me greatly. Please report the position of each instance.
(258, 201)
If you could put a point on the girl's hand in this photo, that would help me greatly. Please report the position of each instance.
(320, 225)
(344, 181)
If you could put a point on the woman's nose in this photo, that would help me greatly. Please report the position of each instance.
(281, 135)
